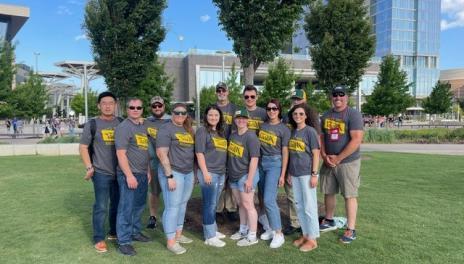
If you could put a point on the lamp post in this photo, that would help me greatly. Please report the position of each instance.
(223, 53)
(36, 54)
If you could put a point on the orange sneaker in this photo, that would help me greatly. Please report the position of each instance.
(101, 247)
(300, 241)
(309, 245)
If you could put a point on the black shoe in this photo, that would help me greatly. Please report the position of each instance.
(152, 222)
(141, 238)
(290, 230)
(127, 250)
(232, 216)
(220, 218)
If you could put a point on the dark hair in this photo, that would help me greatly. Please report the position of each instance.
(220, 124)
(308, 120)
(250, 87)
(277, 103)
(106, 94)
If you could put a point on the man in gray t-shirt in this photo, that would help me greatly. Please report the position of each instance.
(257, 115)
(342, 134)
(98, 154)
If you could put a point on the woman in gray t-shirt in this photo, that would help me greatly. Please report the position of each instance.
(303, 175)
(175, 150)
(211, 152)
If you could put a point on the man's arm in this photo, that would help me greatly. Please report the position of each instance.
(84, 152)
(124, 165)
(353, 145)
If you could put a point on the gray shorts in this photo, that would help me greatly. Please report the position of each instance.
(344, 178)
(155, 187)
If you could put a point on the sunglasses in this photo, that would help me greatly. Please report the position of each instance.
(181, 113)
(220, 91)
(298, 114)
(275, 109)
(338, 94)
(135, 107)
(154, 106)
(249, 96)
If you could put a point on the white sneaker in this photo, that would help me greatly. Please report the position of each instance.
(215, 242)
(220, 235)
(247, 242)
(238, 236)
(177, 249)
(277, 241)
(184, 240)
(268, 235)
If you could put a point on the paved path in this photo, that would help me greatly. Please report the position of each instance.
(442, 149)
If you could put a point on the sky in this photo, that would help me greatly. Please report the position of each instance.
(54, 30)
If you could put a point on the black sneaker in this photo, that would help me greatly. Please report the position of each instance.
(152, 224)
(127, 250)
(327, 225)
(290, 230)
(141, 238)
(232, 216)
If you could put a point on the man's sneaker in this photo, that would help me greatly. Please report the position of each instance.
(247, 242)
(101, 247)
(177, 249)
(277, 241)
(141, 238)
(348, 236)
(184, 240)
(238, 235)
(290, 230)
(127, 250)
(268, 235)
(152, 222)
(215, 242)
(220, 235)
(112, 237)
(327, 225)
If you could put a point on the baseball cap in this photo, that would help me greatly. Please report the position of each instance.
(299, 94)
(221, 85)
(339, 89)
(242, 113)
(157, 99)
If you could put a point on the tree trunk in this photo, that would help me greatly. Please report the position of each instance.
(249, 73)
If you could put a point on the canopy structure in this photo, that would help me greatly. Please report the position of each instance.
(60, 93)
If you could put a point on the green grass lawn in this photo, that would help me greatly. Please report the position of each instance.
(411, 210)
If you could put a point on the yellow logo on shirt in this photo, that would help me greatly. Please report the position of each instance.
(142, 141)
(254, 124)
(152, 131)
(108, 136)
(330, 123)
(297, 144)
(267, 137)
(235, 149)
(184, 138)
(228, 119)
(220, 143)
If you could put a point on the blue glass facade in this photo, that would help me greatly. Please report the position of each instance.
(410, 30)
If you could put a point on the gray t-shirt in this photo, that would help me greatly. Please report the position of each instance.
(181, 147)
(153, 125)
(104, 158)
(240, 151)
(133, 138)
(214, 147)
(273, 138)
(228, 112)
(336, 127)
(301, 143)
(257, 118)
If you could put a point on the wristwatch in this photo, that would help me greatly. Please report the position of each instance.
(170, 176)
(314, 173)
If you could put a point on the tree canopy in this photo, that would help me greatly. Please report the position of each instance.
(440, 99)
(78, 104)
(29, 99)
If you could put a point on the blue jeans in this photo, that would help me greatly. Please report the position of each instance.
(131, 206)
(210, 194)
(106, 189)
(175, 202)
(269, 171)
(306, 206)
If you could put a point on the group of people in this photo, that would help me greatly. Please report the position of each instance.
(245, 150)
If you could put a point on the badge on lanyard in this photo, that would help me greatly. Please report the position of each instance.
(334, 134)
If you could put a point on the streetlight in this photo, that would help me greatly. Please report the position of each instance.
(223, 53)
(36, 54)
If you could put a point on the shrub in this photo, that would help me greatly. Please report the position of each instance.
(61, 140)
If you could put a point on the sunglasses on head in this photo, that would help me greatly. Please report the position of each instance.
(338, 94)
(154, 106)
(249, 96)
(135, 107)
(298, 113)
(181, 113)
(275, 109)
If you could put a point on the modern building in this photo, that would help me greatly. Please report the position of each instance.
(455, 77)
(12, 18)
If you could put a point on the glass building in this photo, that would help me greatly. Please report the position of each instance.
(410, 31)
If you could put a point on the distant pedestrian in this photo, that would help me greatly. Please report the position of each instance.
(15, 126)
(8, 125)
(20, 124)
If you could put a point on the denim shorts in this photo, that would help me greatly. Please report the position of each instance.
(241, 182)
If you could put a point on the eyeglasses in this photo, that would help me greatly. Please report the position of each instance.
(135, 107)
(298, 113)
(181, 113)
(220, 91)
(339, 94)
(249, 96)
(154, 106)
(275, 109)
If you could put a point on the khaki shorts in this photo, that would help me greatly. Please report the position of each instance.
(344, 178)
(155, 187)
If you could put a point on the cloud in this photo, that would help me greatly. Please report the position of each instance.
(75, 2)
(205, 18)
(453, 14)
(81, 37)
(63, 10)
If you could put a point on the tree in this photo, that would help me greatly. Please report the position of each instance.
(391, 91)
(258, 28)
(29, 99)
(125, 36)
(341, 42)
(234, 86)
(78, 104)
(440, 99)
(317, 98)
(7, 70)
(278, 84)
(207, 97)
